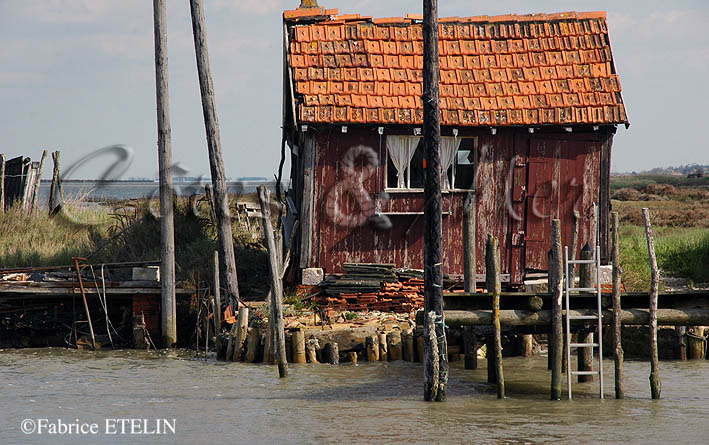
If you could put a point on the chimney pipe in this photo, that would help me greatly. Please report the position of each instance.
(308, 4)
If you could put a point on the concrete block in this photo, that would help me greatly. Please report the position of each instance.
(312, 276)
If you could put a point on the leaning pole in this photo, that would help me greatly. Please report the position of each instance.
(167, 228)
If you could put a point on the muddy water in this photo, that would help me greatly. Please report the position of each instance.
(215, 402)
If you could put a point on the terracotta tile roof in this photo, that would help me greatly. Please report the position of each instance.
(535, 69)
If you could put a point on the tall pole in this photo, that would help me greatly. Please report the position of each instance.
(216, 161)
(167, 229)
(434, 386)
(556, 340)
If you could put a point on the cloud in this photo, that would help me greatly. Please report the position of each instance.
(254, 7)
(19, 77)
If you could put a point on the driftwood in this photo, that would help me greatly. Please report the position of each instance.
(655, 384)
(276, 284)
(167, 228)
(492, 261)
(617, 271)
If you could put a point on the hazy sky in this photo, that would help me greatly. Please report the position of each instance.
(77, 75)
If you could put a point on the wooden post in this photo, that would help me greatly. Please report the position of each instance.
(2, 182)
(490, 356)
(470, 347)
(469, 243)
(264, 197)
(394, 343)
(493, 285)
(680, 343)
(617, 329)
(167, 229)
(139, 340)
(383, 347)
(56, 191)
(331, 353)
(253, 343)
(695, 342)
(352, 357)
(574, 246)
(83, 297)
(655, 384)
(217, 295)
(35, 192)
(525, 345)
(586, 279)
(299, 346)
(312, 348)
(420, 342)
(431, 351)
(556, 278)
(242, 322)
(372, 345)
(407, 342)
(216, 161)
(433, 295)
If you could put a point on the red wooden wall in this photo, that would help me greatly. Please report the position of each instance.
(561, 169)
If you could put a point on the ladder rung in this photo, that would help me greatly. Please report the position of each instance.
(583, 345)
(583, 317)
(584, 372)
(583, 289)
(581, 261)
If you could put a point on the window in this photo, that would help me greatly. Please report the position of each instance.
(405, 163)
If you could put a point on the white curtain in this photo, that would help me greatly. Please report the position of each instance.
(401, 149)
(448, 150)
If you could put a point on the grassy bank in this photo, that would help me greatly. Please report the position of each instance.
(681, 252)
(129, 231)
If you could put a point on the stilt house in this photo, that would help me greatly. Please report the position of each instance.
(529, 106)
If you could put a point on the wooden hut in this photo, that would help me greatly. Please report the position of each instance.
(529, 107)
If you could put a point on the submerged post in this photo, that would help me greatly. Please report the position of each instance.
(167, 229)
(216, 161)
(469, 243)
(556, 278)
(493, 285)
(617, 271)
(264, 197)
(655, 384)
(435, 365)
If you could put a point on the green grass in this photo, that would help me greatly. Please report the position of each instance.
(639, 182)
(681, 253)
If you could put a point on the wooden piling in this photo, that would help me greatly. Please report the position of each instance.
(35, 191)
(264, 197)
(253, 343)
(420, 341)
(655, 384)
(407, 344)
(493, 284)
(383, 347)
(696, 342)
(312, 350)
(470, 347)
(525, 345)
(490, 357)
(556, 278)
(216, 161)
(394, 345)
(617, 329)
(680, 346)
(331, 353)
(435, 387)
(299, 346)
(217, 295)
(2, 182)
(372, 346)
(242, 322)
(586, 279)
(431, 352)
(167, 229)
(469, 242)
(352, 357)
(139, 340)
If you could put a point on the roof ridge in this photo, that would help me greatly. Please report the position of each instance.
(332, 14)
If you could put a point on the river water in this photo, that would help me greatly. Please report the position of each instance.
(217, 402)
